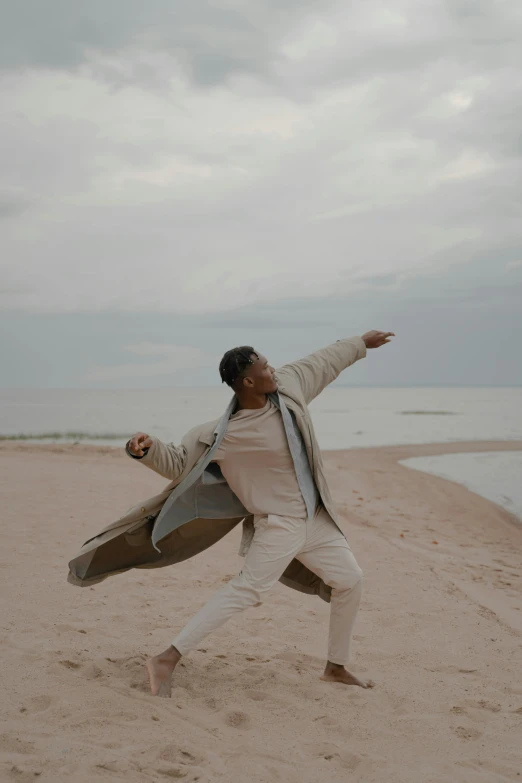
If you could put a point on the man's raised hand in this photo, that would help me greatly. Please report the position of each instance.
(375, 339)
(138, 443)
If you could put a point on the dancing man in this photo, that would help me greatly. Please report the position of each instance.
(262, 463)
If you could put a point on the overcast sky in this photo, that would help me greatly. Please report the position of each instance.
(181, 177)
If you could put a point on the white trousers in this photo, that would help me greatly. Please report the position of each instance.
(320, 546)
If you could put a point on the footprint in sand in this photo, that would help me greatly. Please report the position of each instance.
(326, 720)
(257, 695)
(458, 710)
(90, 671)
(21, 772)
(450, 670)
(183, 756)
(70, 664)
(176, 773)
(113, 766)
(300, 660)
(128, 672)
(467, 733)
(10, 743)
(475, 705)
(238, 719)
(336, 754)
(487, 705)
(38, 704)
(21, 775)
(182, 763)
(63, 628)
(140, 685)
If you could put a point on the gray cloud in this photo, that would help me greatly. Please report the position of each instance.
(207, 174)
(454, 326)
(213, 41)
(210, 41)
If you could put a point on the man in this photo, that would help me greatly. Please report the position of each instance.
(259, 464)
(277, 487)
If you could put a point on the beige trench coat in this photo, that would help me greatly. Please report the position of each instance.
(127, 542)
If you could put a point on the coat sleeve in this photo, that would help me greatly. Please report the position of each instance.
(311, 375)
(165, 458)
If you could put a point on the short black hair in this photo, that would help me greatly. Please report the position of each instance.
(234, 362)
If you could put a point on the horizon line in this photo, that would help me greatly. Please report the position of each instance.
(216, 387)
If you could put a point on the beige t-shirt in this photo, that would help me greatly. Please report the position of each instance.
(256, 462)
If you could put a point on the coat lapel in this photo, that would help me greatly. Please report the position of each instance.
(162, 525)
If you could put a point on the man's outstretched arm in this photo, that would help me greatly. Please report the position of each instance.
(313, 373)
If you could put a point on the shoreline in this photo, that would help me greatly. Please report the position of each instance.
(440, 631)
(406, 450)
(394, 453)
(439, 447)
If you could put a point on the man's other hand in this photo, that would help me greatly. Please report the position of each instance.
(375, 339)
(138, 443)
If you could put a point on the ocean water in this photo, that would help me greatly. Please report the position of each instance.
(344, 417)
(494, 475)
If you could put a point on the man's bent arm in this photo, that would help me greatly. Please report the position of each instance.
(164, 458)
(313, 373)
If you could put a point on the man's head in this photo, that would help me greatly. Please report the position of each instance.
(246, 370)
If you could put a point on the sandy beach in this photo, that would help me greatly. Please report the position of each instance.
(440, 632)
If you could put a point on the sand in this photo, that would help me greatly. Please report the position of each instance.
(440, 631)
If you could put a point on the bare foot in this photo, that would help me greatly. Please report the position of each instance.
(334, 672)
(160, 670)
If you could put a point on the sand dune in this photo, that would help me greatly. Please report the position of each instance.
(440, 631)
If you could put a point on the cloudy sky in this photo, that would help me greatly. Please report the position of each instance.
(181, 177)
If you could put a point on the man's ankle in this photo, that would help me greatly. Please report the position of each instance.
(334, 667)
(171, 654)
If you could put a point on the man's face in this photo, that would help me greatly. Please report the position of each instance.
(260, 376)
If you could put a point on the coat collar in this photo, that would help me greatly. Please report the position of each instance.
(208, 436)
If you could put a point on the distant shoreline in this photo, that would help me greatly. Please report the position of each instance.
(213, 386)
(398, 451)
